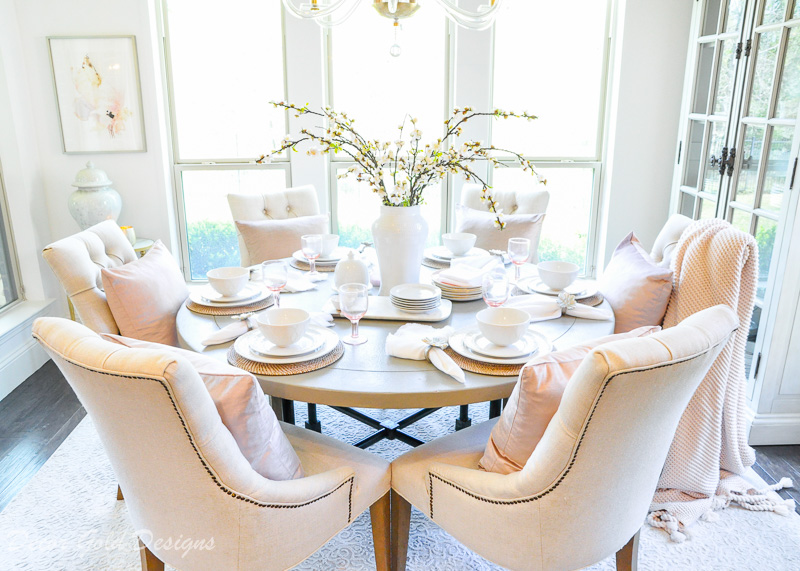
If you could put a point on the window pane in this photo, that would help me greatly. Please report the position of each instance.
(765, 237)
(539, 67)
(711, 17)
(733, 21)
(227, 65)
(705, 65)
(694, 149)
(751, 159)
(780, 148)
(741, 220)
(708, 209)
(774, 11)
(377, 89)
(789, 93)
(727, 66)
(210, 230)
(8, 289)
(711, 179)
(687, 205)
(765, 72)
(566, 224)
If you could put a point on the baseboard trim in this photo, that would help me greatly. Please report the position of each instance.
(21, 354)
(775, 429)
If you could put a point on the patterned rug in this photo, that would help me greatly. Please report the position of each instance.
(67, 518)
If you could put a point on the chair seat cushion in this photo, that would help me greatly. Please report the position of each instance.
(145, 295)
(244, 411)
(637, 289)
(482, 224)
(534, 402)
(275, 239)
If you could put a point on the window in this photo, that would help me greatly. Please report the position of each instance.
(226, 64)
(543, 69)
(8, 285)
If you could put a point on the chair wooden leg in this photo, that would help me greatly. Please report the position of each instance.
(381, 536)
(149, 561)
(119, 493)
(401, 521)
(628, 556)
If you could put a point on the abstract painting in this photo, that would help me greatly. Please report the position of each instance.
(97, 93)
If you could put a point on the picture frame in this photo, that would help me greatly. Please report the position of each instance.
(98, 96)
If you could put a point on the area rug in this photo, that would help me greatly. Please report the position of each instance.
(67, 517)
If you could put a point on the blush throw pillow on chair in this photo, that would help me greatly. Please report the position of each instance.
(637, 289)
(244, 411)
(145, 295)
(534, 401)
(275, 239)
(490, 237)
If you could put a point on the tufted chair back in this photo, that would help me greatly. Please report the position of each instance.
(667, 239)
(77, 261)
(511, 201)
(272, 205)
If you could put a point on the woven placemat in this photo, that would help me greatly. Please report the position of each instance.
(435, 264)
(305, 266)
(282, 369)
(208, 310)
(482, 368)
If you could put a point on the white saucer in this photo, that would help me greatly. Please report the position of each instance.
(581, 289)
(526, 346)
(457, 344)
(198, 298)
(415, 293)
(242, 347)
(443, 254)
(309, 342)
(338, 254)
(249, 291)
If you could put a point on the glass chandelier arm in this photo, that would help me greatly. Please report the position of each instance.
(307, 13)
(473, 19)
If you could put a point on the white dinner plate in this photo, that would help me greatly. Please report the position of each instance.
(443, 254)
(331, 261)
(581, 289)
(249, 291)
(457, 344)
(197, 298)
(309, 342)
(415, 292)
(242, 347)
(480, 344)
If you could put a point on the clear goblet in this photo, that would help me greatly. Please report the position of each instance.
(519, 251)
(311, 245)
(496, 287)
(275, 274)
(353, 302)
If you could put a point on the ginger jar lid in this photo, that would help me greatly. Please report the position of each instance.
(91, 177)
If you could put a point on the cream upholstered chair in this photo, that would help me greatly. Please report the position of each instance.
(272, 205)
(184, 475)
(668, 238)
(77, 261)
(513, 202)
(586, 489)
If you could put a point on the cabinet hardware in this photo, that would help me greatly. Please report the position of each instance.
(794, 172)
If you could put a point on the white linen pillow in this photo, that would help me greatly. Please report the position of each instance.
(482, 224)
(275, 239)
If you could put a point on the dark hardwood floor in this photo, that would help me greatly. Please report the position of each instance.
(39, 414)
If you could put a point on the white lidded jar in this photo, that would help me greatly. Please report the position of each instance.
(95, 200)
(351, 270)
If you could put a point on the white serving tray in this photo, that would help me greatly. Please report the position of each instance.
(380, 307)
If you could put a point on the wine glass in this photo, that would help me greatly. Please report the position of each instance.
(275, 274)
(496, 287)
(353, 301)
(312, 248)
(519, 250)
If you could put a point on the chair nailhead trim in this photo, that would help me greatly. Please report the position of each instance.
(200, 457)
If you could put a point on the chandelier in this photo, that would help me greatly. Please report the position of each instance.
(329, 13)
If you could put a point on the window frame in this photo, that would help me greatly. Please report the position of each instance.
(7, 239)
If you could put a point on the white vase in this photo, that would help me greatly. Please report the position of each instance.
(95, 200)
(399, 235)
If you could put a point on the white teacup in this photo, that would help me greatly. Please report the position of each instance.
(503, 325)
(329, 243)
(558, 275)
(283, 325)
(459, 243)
(228, 281)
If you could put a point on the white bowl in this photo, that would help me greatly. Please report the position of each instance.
(283, 325)
(228, 281)
(459, 243)
(503, 325)
(329, 243)
(558, 275)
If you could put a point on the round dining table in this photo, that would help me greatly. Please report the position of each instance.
(367, 377)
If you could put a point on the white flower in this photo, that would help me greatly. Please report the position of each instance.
(315, 150)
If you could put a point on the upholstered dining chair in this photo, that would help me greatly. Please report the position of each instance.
(524, 210)
(585, 491)
(667, 239)
(77, 262)
(185, 477)
(275, 205)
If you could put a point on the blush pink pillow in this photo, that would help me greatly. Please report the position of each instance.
(145, 295)
(275, 239)
(533, 403)
(244, 410)
(637, 289)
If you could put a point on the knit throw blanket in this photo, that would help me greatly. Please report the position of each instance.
(713, 263)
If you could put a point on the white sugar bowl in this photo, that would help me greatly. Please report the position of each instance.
(351, 270)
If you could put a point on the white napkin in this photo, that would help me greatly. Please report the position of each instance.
(296, 283)
(407, 343)
(544, 307)
(469, 272)
(234, 330)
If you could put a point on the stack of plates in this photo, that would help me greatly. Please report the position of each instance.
(317, 342)
(581, 289)
(415, 298)
(442, 254)
(472, 344)
(332, 260)
(208, 296)
(457, 293)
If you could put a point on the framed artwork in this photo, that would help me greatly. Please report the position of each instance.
(97, 94)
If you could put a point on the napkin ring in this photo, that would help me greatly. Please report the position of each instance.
(566, 301)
